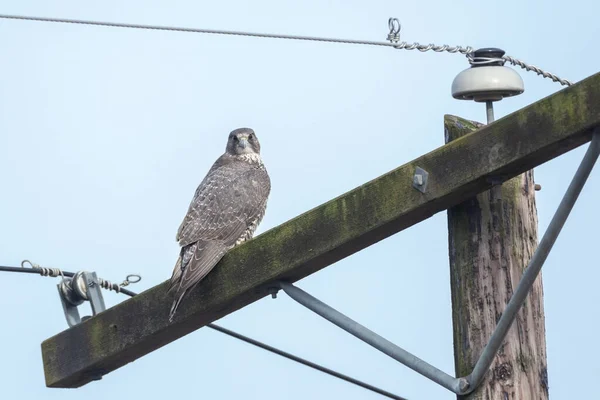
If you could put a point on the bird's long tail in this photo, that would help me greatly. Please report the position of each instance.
(175, 305)
(195, 262)
(175, 283)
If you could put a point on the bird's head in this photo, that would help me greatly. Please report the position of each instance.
(242, 141)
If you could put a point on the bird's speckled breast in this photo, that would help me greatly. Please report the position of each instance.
(249, 232)
(251, 158)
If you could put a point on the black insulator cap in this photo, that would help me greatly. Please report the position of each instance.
(489, 52)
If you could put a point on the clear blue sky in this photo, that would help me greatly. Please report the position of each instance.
(105, 134)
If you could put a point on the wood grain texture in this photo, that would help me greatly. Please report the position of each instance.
(328, 233)
(492, 237)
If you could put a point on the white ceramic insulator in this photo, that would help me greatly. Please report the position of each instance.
(487, 83)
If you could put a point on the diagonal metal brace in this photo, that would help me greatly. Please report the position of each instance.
(465, 385)
(370, 337)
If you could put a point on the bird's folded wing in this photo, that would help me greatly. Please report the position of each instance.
(225, 203)
(203, 256)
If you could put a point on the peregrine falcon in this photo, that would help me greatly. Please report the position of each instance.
(226, 209)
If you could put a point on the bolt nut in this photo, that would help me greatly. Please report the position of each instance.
(273, 292)
(418, 179)
(537, 187)
(463, 385)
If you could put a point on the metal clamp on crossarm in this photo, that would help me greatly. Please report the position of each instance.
(83, 286)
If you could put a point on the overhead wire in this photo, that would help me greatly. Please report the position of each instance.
(197, 30)
(55, 272)
(305, 362)
(393, 39)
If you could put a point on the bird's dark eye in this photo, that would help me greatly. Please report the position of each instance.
(250, 136)
(235, 139)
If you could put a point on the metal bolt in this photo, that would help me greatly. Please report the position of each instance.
(418, 179)
(95, 376)
(463, 385)
(538, 187)
(273, 292)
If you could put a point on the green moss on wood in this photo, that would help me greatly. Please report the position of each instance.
(327, 234)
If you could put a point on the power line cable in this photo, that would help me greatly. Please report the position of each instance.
(304, 362)
(56, 272)
(393, 39)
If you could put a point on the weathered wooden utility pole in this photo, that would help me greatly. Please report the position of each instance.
(492, 237)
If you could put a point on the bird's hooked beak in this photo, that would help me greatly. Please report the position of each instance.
(243, 142)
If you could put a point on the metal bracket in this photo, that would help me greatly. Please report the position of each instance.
(467, 384)
(94, 292)
(75, 291)
(420, 179)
